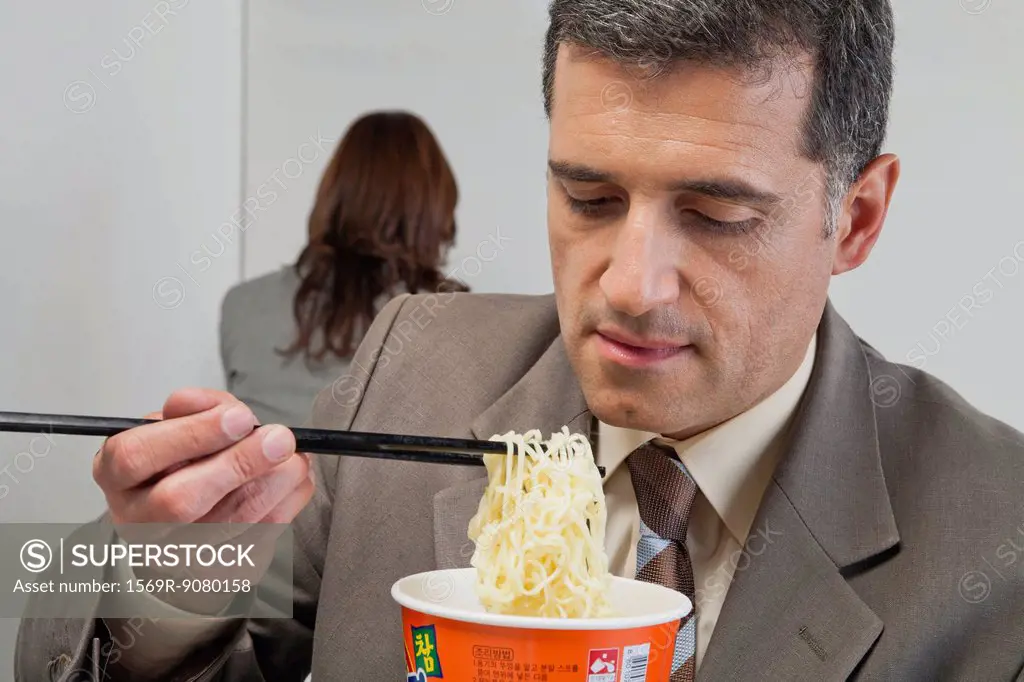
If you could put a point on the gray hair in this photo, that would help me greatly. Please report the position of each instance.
(849, 41)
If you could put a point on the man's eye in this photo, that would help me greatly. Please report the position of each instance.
(589, 207)
(721, 226)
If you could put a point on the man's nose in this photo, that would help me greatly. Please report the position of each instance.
(643, 271)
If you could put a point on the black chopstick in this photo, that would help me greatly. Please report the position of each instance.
(392, 446)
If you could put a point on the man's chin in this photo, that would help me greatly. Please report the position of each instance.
(629, 409)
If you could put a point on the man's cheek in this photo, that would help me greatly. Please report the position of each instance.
(570, 273)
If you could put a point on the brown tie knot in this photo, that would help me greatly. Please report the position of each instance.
(664, 490)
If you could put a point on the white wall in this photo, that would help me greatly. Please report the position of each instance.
(113, 169)
(472, 69)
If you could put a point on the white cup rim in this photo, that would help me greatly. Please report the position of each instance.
(673, 605)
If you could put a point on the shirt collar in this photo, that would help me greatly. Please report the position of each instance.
(731, 463)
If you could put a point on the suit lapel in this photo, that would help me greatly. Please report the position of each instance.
(546, 398)
(789, 609)
(789, 614)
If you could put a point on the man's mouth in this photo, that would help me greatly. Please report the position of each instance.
(631, 350)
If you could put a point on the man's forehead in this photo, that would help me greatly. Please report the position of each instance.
(690, 104)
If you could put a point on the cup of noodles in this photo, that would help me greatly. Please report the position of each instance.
(449, 636)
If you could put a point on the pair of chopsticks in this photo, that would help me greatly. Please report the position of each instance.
(426, 449)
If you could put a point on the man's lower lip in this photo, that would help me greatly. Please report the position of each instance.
(632, 356)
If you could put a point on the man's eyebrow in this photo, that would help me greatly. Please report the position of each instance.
(733, 190)
(717, 188)
(578, 172)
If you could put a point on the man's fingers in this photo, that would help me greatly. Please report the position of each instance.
(257, 498)
(188, 401)
(97, 458)
(193, 491)
(290, 506)
(133, 457)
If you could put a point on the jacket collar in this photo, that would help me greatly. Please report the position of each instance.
(832, 474)
(547, 398)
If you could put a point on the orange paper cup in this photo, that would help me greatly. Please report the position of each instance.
(449, 636)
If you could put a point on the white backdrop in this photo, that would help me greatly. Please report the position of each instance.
(472, 70)
(121, 150)
(119, 158)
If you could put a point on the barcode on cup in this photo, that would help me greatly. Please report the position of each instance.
(634, 662)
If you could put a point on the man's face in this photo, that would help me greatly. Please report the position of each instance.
(687, 239)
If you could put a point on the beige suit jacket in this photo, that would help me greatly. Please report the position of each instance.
(889, 516)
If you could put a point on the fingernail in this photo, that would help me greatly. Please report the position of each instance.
(237, 422)
(277, 444)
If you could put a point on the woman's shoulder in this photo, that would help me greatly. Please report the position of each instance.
(269, 288)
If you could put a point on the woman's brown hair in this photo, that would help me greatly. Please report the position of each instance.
(382, 223)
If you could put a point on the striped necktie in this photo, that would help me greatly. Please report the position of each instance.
(664, 495)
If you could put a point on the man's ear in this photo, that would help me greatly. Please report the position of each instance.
(864, 211)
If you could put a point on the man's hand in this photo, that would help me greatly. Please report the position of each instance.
(206, 461)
